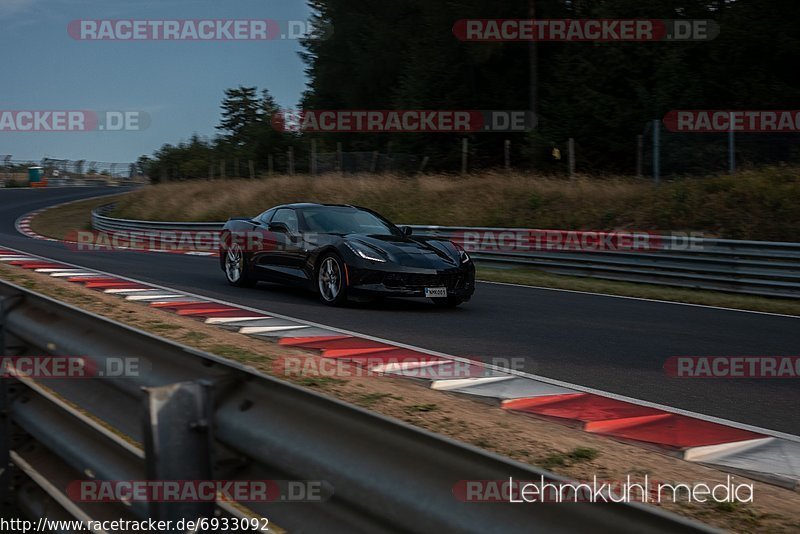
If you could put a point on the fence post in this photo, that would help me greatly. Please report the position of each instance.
(270, 167)
(222, 169)
(571, 157)
(313, 158)
(290, 156)
(424, 164)
(507, 155)
(464, 155)
(639, 154)
(731, 148)
(339, 158)
(252, 170)
(657, 151)
(374, 165)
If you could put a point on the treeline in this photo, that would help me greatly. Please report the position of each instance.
(403, 55)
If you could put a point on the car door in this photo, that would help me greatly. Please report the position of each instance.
(284, 255)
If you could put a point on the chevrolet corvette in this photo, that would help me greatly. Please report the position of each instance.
(342, 252)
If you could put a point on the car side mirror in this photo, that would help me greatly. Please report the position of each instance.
(407, 230)
(279, 227)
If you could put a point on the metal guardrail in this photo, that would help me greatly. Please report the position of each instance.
(748, 267)
(190, 415)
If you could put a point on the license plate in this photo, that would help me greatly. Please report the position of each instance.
(435, 292)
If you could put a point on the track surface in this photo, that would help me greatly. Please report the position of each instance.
(613, 344)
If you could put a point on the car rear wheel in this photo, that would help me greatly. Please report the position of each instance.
(331, 280)
(236, 267)
(448, 302)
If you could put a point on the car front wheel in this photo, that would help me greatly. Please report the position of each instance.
(331, 280)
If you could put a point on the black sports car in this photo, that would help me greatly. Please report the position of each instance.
(341, 251)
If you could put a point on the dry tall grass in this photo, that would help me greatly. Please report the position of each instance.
(750, 205)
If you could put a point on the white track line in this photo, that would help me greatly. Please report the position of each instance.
(640, 298)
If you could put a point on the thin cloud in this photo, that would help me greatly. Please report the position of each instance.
(13, 7)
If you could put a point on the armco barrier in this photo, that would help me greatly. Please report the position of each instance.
(749, 267)
(191, 415)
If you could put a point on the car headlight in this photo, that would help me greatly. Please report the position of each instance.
(363, 251)
(462, 254)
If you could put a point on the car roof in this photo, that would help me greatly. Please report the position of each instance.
(299, 205)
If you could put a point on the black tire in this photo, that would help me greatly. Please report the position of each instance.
(448, 302)
(234, 264)
(331, 280)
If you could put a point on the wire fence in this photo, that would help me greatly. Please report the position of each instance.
(664, 153)
(62, 172)
(654, 154)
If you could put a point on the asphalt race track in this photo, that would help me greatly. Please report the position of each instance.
(613, 344)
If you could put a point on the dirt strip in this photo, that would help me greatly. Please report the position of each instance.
(558, 448)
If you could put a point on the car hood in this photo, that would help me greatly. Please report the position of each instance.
(410, 252)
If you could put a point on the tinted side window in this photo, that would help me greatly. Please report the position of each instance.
(287, 216)
(266, 216)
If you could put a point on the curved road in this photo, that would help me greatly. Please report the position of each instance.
(614, 344)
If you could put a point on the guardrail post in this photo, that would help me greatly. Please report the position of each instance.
(178, 443)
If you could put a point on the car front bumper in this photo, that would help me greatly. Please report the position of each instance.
(460, 282)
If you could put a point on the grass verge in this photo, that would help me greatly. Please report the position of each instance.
(532, 277)
(58, 222)
(754, 204)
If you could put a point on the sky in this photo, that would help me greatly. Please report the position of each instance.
(179, 84)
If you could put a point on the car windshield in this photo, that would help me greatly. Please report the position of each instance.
(327, 220)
